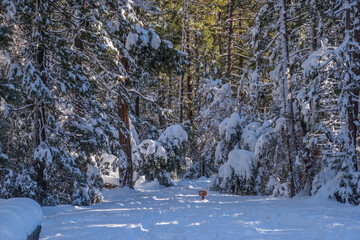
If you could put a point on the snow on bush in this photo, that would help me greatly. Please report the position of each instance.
(268, 168)
(174, 136)
(146, 37)
(230, 133)
(216, 103)
(237, 175)
(19, 217)
(150, 160)
(338, 183)
(174, 140)
(270, 153)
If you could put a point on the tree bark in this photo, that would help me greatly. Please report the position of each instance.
(189, 93)
(183, 49)
(356, 71)
(125, 175)
(219, 40)
(137, 106)
(353, 65)
(181, 98)
(40, 130)
(79, 103)
(230, 44)
(288, 100)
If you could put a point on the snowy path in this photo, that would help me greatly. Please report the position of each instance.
(151, 212)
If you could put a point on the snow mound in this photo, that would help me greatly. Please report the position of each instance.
(18, 218)
(150, 147)
(240, 161)
(174, 134)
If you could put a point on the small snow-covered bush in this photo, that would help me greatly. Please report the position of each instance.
(270, 153)
(217, 103)
(19, 183)
(230, 134)
(150, 160)
(347, 188)
(238, 174)
(174, 140)
(338, 183)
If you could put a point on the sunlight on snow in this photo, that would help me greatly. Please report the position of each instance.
(138, 225)
(266, 231)
(160, 199)
(167, 223)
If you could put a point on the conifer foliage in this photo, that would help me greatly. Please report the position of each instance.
(263, 94)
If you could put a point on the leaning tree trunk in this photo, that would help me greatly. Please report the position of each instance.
(288, 100)
(39, 124)
(126, 174)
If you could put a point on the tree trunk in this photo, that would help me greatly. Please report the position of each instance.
(288, 101)
(353, 108)
(189, 93)
(181, 98)
(230, 44)
(356, 71)
(79, 102)
(183, 49)
(219, 39)
(137, 106)
(40, 131)
(125, 175)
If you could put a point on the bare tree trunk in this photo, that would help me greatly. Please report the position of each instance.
(183, 49)
(181, 98)
(79, 102)
(353, 110)
(197, 61)
(288, 100)
(230, 44)
(137, 106)
(124, 139)
(219, 40)
(189, 93)
(356, 70)
(40, 131)
(125, 175)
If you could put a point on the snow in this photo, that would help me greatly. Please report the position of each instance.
(131, 40)
(153, 148)
(222, 126)
(155, 40)
(43, 153)
(18, 218)
(155, 212)
(229, 126)
(239, 161)
(174, 134)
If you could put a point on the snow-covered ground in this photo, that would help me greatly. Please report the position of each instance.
(19, 217)
(154, 212)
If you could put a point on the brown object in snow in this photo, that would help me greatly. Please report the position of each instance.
(202, 193)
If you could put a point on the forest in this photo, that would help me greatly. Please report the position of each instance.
(260, 95)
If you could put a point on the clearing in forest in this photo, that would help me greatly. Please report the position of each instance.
(154, 212)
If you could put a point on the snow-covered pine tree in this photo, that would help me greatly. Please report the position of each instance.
(150, 160)
(175, 140)
(217, 104)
